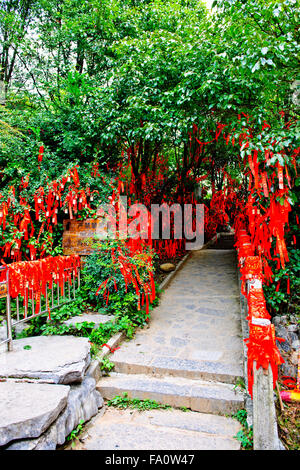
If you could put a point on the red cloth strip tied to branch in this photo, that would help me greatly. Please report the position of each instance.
(123, 261)
(37, 275)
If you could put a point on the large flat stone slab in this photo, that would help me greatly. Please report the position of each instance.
(83, 403)
(96, 318)
(28, 409)
(51, 359)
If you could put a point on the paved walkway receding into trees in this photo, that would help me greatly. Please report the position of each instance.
(190, 357)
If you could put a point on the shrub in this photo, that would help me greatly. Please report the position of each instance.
(119, 280)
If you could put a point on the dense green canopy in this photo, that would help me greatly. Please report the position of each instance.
(88, 79)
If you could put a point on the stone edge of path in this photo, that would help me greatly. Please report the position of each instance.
(94, 368)
(261, 411)
(245, 333)
(171, 275)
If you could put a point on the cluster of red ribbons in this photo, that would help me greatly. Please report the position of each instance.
(30, 279)
(143, 283)
(294, 385)
(263, 219)
(43, 207)
(268, 205)
(147, 190)
(261, 343)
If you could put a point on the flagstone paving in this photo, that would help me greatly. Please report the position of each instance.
(196, 329)
(190, 356)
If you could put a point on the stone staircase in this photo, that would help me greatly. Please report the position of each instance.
(197, 395)
(189, 358)
(160, 430)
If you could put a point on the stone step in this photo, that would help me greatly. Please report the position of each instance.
(161, 366)
(161, 430)
(207, 397)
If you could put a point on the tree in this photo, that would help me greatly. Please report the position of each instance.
(15, 18)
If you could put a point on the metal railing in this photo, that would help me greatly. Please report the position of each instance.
(57, 299)
(5, 284)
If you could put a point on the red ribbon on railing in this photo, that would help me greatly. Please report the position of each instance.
(40, 274)
(261, 344)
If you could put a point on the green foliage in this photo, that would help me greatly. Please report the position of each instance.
(135, 403)
(74, 435)
(277, 298)
(106, 366)
(241, 416)
(240, 383)
(41, 326)
(288, 426)
(100, 266)
(127, 318)
(244, 435)
(185, 409)
(143, 72)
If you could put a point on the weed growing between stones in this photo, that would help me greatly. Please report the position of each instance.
(244, 435)
(240, 383)
(135, 403)
(106, 366)
(184, 409)
(74, 435)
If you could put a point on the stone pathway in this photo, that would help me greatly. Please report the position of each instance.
(190, 356)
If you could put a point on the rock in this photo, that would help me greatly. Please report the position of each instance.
(294, 358)
(95, 318)
(53, 359)
(20, 328)
(276, 320)
(288, 369)
(83, 403)
(28, 409)
(281, 332)
(296, 344)
(283, 319)
(293, 328)
(283, 346)
(167, 267)
(46, 441)
(292, 337)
